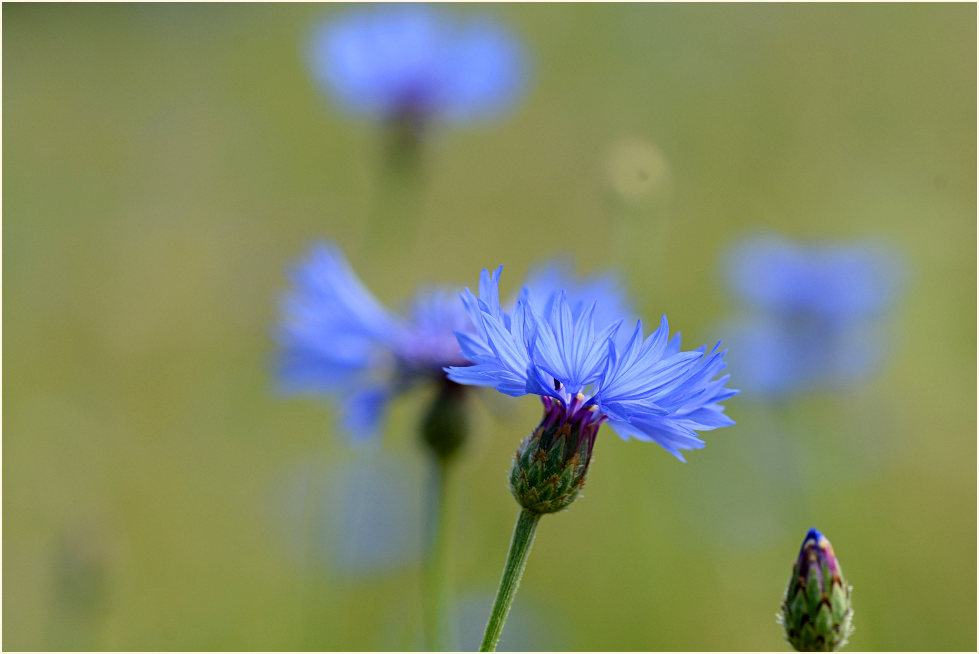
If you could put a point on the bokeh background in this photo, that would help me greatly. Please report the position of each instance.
(164, 164)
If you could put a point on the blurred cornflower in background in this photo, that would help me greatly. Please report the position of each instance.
(413, 65)
(337, 339)
(409, 68)
(351, 517)
(569, 354)
(809, 312)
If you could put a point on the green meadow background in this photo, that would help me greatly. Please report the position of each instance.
(164, 164)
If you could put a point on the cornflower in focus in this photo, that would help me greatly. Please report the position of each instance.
(571, 355)
(411, 65)
(810, 312)
(817, 614)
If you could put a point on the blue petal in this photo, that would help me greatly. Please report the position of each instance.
(363, 411)
(654, 392)
(333, 327)
(670, 436)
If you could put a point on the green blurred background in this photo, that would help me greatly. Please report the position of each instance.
(163, 164)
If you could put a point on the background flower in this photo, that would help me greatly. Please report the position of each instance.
(337, 339)
(416, 62)
(810, 312)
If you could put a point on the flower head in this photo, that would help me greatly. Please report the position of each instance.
(810, 311)
(570, 354)
(831, 282)
(408, 62)
(337, 339)
(816, 611)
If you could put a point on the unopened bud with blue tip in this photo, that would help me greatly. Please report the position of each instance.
(817, 614)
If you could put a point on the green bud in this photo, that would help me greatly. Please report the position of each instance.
(550, 466)
(816, 611)
(446, 425)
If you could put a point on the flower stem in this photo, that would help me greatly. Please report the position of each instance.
(438, 634)
(516, 561)
(396, 209)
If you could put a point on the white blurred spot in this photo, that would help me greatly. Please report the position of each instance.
(636, 169)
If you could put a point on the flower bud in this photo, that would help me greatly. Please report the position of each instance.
(550, 466)
(816, 610)
(445, 426)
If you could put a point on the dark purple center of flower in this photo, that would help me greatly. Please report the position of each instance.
(577, 421)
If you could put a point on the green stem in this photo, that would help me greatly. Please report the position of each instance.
(516, 561)
(438, 634)
(394, 216)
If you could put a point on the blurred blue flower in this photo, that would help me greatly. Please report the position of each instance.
(567, 352)
(809, 311)
(358, 516)
(831, 282)
(336, 339)
(603, 290)
(411, 62)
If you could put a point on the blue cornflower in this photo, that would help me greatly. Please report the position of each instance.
(810, 311)
(570, 354)
(410, 63)
(838, 282)
(336, 339)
